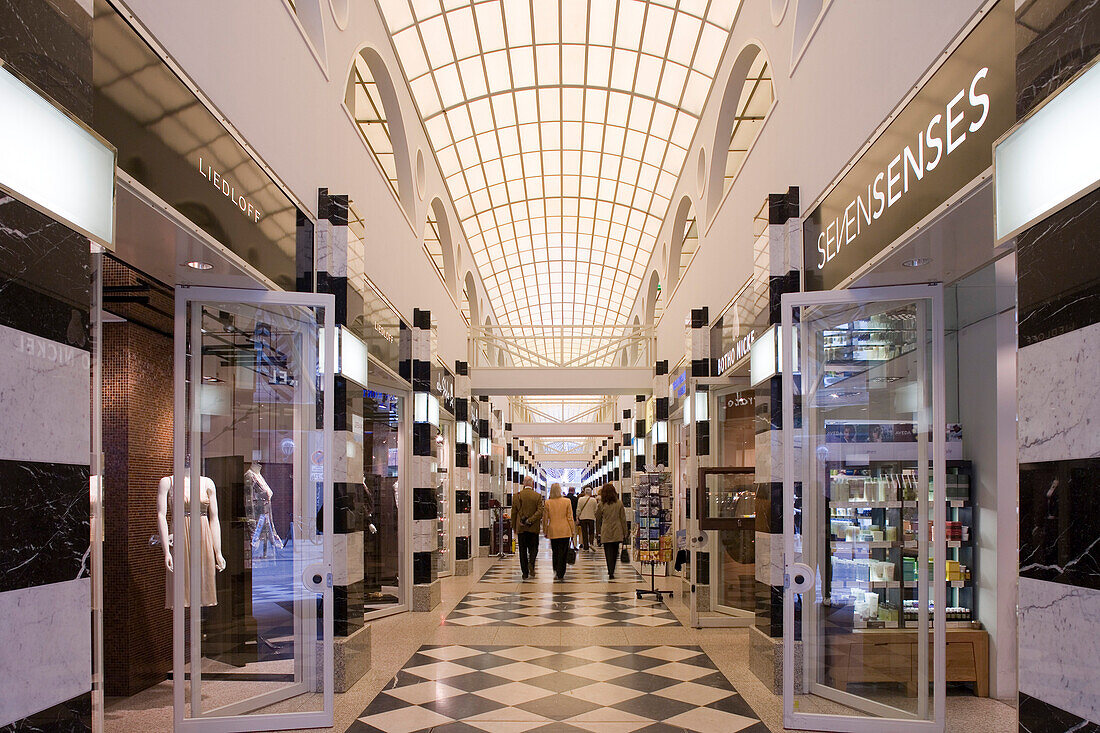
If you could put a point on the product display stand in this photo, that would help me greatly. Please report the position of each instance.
(653, 517)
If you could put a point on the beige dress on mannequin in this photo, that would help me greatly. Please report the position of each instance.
(209, 588)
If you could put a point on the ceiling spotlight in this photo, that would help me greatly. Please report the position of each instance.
(917, 262)
(200, 265)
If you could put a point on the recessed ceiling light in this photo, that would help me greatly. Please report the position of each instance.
(200, 265)
(917, 262)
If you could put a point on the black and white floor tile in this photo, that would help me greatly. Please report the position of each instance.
(561, 608)
(589, 568)
(602, 689)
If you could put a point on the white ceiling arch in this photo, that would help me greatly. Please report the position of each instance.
(560, 129)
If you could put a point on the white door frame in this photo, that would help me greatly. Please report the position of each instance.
(856, 724)
(405, 524)
(232, 718)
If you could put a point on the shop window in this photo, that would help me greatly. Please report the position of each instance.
(753, 105)
(438, 245)
(371, 101)
(685, 241)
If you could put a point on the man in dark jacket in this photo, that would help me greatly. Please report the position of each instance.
(527, 508)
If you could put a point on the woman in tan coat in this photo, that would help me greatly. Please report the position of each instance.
(557, 523)
(611, 523)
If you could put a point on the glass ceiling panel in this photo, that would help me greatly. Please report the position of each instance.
(561, 129)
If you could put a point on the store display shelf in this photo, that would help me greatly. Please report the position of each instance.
(856, 504)
(881, 545)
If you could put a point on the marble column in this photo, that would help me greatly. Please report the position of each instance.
(426, 585)
(1058, 271)
(465, 470)
(699, 357)
(766, 636)
(351, 651)
(45, 379)
(484, 479)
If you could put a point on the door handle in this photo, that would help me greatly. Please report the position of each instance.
(799, 577)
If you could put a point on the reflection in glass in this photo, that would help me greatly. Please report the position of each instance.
(381, 545)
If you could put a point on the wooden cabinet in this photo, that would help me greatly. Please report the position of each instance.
(890, 655)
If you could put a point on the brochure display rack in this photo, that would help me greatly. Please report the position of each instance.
(653, 520)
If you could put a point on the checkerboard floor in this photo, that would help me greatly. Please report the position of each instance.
(562, 608)
(589, 568)
(602, 689)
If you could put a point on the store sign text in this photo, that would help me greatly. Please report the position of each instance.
(738, 351)
(230, 191)
(939, 143)
(943, 134)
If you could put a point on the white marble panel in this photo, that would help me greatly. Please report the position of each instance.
(347, 464)
(47, 647)
(1059, 404)
(769, 558)
(347, 558)
(769, 456)
(44, 388)
(1060, 646)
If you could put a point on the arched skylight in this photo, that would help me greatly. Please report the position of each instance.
(560, 128)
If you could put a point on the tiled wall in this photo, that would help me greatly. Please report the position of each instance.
(1059, 445)
(137, 446)
(45, 392)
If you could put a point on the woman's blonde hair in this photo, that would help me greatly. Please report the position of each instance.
(555, 491)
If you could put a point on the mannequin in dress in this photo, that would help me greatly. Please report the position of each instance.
(211, 538)
(260, 495)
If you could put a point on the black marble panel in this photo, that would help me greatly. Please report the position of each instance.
(462, 548)
(49, 44)
(1059, 525)
(71, 716)
(483, 500)
(45, 276)
(348, 602)
(1037, 716)
(769, 609)
(349, 509)
(702, 568)
(462, 502)
(423, 567)
(1058, 272)
(46, 515)
(424, 504)
(422, 439)
(769, 508)
(1047, 61)
(484, 535)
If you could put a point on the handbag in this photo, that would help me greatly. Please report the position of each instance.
(624, 554)
(570, 554)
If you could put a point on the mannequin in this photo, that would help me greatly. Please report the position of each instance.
(211, 538)
(260, 495)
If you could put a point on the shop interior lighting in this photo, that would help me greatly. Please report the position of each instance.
(917, 262)
(200, 265)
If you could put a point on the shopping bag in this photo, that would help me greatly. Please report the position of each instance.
(624, 554)
(570, 555)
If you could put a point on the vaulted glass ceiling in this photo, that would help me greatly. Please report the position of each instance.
(561, 128)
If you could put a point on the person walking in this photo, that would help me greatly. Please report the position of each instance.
(558, 523)
(586, 516)
(611, 520)
(527, 517)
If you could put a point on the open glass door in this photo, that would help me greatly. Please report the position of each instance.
(864, 423)
(251, 496)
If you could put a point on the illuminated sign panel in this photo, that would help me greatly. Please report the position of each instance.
(50, 161)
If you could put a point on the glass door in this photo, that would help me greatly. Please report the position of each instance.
(250, 502)
(384, 461)
(864, 425)
(444, 486)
